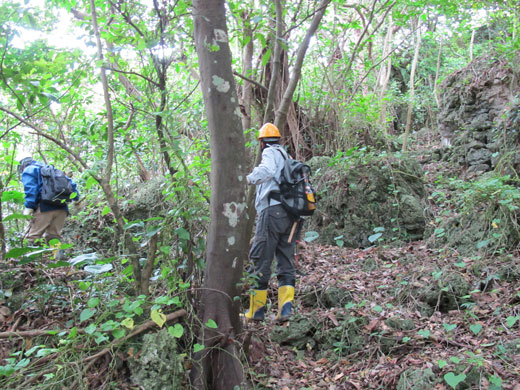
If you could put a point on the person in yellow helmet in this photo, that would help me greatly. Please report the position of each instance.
(273, 230)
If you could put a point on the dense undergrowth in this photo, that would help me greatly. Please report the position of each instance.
(433, 313)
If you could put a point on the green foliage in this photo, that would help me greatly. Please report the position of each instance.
(497, 199)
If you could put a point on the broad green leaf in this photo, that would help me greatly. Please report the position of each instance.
(90, 329)
(374, 237)
(449, 327)
(93, 302)
(105, 211)
(152, 231)
(15, 216)
(128, 323)
(424, 333)
(176, 331)
(182, 233)
(158, 317)
(266, 57)
(211, 324)
(511, 321)
(98, 268)
(45, 352)
(495, 383)
(475, 328)
(197, 347)
(453, 380)
(118, 333)
(14, 196)
(84, 257)
(442, 363)
(73, 333)
(482, 244)
(17, 252)
(22, 364)
(86, 314)
(311, 236)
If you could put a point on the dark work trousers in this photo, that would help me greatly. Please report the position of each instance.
(273, 229)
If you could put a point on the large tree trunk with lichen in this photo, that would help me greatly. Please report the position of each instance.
(218, 365)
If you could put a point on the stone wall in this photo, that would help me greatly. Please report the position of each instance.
(359, 198)
(476, 113)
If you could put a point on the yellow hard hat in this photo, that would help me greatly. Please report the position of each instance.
(269, 131)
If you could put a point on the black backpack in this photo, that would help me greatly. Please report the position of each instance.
(296, 195)
(56, 186)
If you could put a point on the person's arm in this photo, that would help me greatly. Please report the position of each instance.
(265, 170)
(31, 186)
(74, 190)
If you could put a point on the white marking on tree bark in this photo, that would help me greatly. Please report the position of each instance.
(232, 211)
(231, 241)
(220, 35)
(221, 84)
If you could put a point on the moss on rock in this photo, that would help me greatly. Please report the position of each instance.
(158, 365)
(367, 192)
(415, 379)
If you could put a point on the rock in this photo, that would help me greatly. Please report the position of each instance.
(159, 366)
(416, 379)
(299, 332)
(479, 168)
(479, 156)
(385, 193)
(327, 298)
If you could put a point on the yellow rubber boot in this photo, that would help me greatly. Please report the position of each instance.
(257, 300)
(285, 299)
(56, 251)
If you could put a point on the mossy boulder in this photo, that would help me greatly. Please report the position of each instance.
(327, 297)
(344, 339)
(158, 366)
(400, 323)
(416, 379)
(364, 193)
(299, 332)
(446, 292)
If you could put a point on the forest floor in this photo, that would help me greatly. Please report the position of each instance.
(476, 342)
(407, 316)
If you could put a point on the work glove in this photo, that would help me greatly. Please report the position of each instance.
(28, 211)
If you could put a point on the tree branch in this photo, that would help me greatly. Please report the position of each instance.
(281, 114)
(44, 134)
(256, 83)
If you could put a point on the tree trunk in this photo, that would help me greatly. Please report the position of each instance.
(218, 366)
(437, 72)
(281, 113)
(247, 60)
(412, 90)
(384, 75)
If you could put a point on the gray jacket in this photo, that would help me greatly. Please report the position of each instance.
(266, 176)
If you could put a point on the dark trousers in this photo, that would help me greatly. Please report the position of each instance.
(273, 229)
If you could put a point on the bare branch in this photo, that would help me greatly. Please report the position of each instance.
(44, 134)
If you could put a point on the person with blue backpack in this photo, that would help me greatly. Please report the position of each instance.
(274, 235)
(47, 192)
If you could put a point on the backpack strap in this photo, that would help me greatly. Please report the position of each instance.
(276, 194)
(283, 152)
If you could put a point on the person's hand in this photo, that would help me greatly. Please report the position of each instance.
(28, 211)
